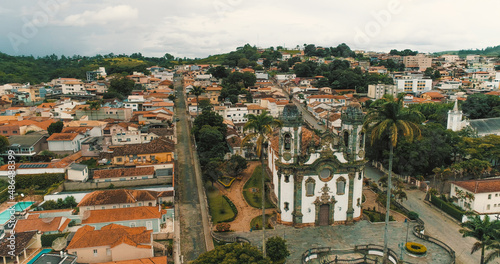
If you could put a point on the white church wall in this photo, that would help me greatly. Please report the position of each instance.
(287, 197)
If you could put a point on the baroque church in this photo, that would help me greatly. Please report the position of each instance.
(483, 127)
(317, 180)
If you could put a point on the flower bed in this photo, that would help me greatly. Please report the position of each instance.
(416, 248)
(226, 181)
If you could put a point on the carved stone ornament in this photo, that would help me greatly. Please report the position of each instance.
(287, 156)
(325, 197)
(361, 154)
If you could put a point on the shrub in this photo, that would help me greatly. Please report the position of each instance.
(223, 227)
(416, 248)
(447, 208)
(413, 215)
(42, 180)
(233, 208)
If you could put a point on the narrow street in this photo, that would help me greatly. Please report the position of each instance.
(193, 217)
(308, 117)
(437, 223)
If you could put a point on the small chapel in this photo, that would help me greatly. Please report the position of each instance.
(317, 180)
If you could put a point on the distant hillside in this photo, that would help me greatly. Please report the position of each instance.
(489, 51)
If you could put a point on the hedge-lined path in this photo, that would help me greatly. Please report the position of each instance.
(235, 193)
(371, 202)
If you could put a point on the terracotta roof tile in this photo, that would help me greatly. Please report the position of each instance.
(42, 224)
(159, 145)
(121, 172)
(104, 197)
(480, 186)
(110, 235)
(62, 136)
(154, 260)
(122, 214)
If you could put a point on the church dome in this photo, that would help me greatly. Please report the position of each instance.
(291, 110)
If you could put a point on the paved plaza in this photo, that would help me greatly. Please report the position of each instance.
(346, 237)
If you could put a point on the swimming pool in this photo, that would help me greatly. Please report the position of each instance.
(21, 206)
(39, 254)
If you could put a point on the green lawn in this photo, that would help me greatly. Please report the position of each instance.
(258, 221)
(254, 199)
(219, 208)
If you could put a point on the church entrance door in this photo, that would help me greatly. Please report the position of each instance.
(324, 211)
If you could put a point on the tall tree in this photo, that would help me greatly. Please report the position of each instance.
(55, 127)
(231, 254)
(277, 249)
(391, 120)
(260, 127)
(482, 230)
(197, 91)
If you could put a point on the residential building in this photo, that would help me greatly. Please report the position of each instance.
(154, 260)
(28, 145)
(377, 91)
(433, 96)
(416, 86)
(65, 142)
(78, 172)
(123, 174)
(150, 217)
(160, 150)
(94, 146)
(483, 127)
(54, 225)
(19, 247)
(419, 61)
(122, 198)
(73, 87)
(111, 243)
(102, 113)
(485, 193)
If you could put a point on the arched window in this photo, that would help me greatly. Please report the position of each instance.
(288, 141)
(362, 140)
(346, 138)
(310, 186)
(286, 206)
(341, 186)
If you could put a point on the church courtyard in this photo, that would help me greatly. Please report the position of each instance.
(346, 237)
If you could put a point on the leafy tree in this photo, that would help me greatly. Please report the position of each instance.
(210, 118)
(277, 249)
(235, 165)
(436, 75)
(197, 91)
(475, 167)
(266, 63)
(233, 254)
(122, 86)
(205, 105)
(212, 170)
(391, 120)
(218, 72)
(283, 66)
(4, 144)
(56, 127)
(260, 127)
(429, 72)
(480, 229)
(481, 106)
(243, 63)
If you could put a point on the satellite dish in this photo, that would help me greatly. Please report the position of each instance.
(86, 215)
(59, 243)
(47, 219)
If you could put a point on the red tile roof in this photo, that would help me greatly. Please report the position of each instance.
(123, 172)
(104, 197)
(112, 236)
(480, 186)
(62, 137)
(154, 260)
(122, 214)
(42, 224)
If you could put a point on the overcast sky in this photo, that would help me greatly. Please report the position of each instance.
(198, 28)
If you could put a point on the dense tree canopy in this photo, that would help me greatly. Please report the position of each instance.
(233, 254)
(55, 127)
(481, 106)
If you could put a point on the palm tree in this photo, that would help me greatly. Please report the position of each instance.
(443, 175)
(261, 126)
(482, 230)
(388, 120)
(495, 246)
(197, 91)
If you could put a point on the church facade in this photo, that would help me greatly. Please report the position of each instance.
(317, 180)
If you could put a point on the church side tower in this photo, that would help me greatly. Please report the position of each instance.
(352, 134)
(455, 118)
(290, 134)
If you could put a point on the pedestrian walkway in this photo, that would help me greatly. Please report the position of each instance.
(245, 212)
(346, 237)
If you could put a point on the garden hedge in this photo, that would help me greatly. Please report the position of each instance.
(233, 207)
(43, 181)
(416, 248)
(447, 208)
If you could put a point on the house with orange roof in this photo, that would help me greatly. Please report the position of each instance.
(111, 243)
(54, 225)
(65, 142)
(155, 260)
(160, 150)
(123, 174)
(433, 96)
(102, 113)
(150, 217)
(485, 194)
(86, 131)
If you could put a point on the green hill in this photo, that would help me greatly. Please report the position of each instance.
(489, 51)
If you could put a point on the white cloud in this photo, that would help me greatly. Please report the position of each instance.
(102, 17)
